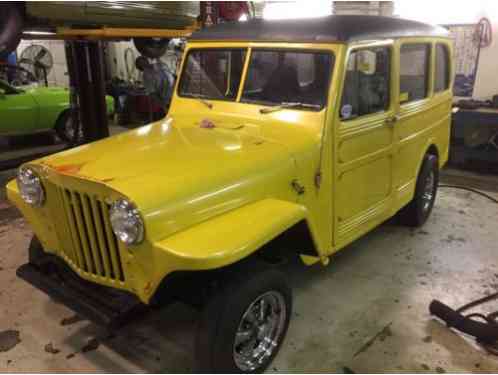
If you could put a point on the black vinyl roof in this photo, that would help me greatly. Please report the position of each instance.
(340, 28)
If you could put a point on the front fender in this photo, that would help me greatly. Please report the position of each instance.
(233, 236)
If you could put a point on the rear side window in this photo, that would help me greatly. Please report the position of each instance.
(366, 86)
(442, 80)
(414, 72)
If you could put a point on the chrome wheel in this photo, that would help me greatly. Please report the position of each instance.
(260, 331)
(428, 194)
(70, 130)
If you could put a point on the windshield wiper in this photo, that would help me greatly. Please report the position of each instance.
(205, 102)
(200, 98)
(287, 105)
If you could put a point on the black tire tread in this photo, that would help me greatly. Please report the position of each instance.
(60, 125)
(412, 214)
(225, 306)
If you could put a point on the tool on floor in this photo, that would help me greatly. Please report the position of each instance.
(483, 327)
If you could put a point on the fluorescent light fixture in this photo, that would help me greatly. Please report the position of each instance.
(34, 32)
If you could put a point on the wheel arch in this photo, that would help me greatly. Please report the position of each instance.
(294, 238)
(430, 149)
(59, 117)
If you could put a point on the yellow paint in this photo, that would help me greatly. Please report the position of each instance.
(212, 196)
(309, 260)
(113, 33)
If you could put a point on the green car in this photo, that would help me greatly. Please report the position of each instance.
(37, 109)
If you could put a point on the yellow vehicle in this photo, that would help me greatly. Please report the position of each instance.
(283, 138)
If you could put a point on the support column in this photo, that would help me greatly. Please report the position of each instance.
(87, 81)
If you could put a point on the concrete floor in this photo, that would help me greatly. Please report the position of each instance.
(365, 312)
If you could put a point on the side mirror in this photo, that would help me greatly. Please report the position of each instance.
(404, 97)
(367, 62)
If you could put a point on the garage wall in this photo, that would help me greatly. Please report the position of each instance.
(58, 75)
(118, 64)
(117, 60)
(486, 80)
(370, 8)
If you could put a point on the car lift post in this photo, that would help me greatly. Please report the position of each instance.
(85, 60)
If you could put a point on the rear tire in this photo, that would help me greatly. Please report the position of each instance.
(254, 309)
(152, 48)
(416, 213)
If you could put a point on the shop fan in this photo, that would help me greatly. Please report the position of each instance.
(38, 60)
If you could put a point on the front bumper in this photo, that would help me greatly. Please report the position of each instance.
(105, 306)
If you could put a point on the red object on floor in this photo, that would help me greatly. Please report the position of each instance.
(145, 104)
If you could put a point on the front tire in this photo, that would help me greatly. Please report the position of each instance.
(35, 251)
(66, 129)
(243, 325)
(416, 213)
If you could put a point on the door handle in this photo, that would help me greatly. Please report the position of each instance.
(391, 120)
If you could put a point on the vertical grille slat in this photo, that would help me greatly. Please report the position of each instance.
(74, 230)
(87, 239)
(104, 251)
(120, 265)
(111, 242)
(76, 200)
(69, 244)
(92, 235)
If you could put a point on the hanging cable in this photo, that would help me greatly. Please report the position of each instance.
(470, 189)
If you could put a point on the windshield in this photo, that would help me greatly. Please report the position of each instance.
(275, 77)
(212, 73)
(279, 77)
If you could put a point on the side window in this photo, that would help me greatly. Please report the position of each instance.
(414, 72)
(366, 86)
(442, 80)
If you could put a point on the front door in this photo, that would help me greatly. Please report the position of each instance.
(364, 157)
(19, 112)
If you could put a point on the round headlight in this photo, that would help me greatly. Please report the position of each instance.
(30, 186)
(126, 222)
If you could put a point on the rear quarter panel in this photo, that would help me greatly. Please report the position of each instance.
(421, 124)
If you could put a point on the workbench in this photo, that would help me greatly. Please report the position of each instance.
(474, 139)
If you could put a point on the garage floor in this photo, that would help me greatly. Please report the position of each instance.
(365, 312)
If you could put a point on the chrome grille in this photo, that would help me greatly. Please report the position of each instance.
(89, 243)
